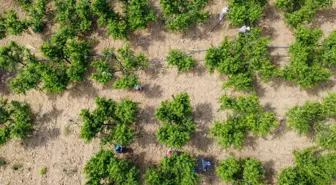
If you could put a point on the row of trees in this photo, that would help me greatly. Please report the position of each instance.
(312, 117)
(16, 120)
(247, 115)
(302, 11)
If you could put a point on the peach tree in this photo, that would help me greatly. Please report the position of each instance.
(105, 168)
(180, 60)
(16, 120)
(248, 115)
(178, 123)
(175, 170)
(245, 12)
(110, 121)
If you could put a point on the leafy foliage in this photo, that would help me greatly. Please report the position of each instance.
(180, 60)
(248, 115)
(175, 170)
(137, 16)
(245, 12)
(307, 67)
(240, 59)
(124, 61)
(180, 14)
(110, 120)
(329, 50)
(301, 11)
(37, 13)
(311, 168)
(177, 121)
(74, 13)
(311, 117)
(245, 171)
(15, 120)
(11, 24)
(104, 167)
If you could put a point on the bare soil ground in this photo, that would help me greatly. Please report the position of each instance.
(56, 144)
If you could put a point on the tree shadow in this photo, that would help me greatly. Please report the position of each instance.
(199, 70)
(203, 115)
(44, 131)
(203, 30)
(154, 69)
(324, 16)
(269, 172)
(260, 91)
(250, 142)
(152, 91)
(142, 164)
(84, 87)
(280, 130)
(146, 116)
(271, 14)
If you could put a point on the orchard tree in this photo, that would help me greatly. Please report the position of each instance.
(180, 15)
(15, 120)
(243, 171)
(248, 115)
(329, 50)
(110, 121)
(75, 13)
(303, 11)
(105, 168)
(246, 12)
(137, 16)
(124, 61)
(241, 59)
(37, 13)
(178, 123)
(312, 117)
(175, 170)
(306, 68)
(12, 56)
(180, 60)
(13, 24)
(311, 167)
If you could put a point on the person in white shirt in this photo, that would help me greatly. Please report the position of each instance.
(223, 13)
(244, 29)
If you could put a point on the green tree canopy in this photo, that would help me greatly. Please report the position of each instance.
(247, 171)
(180, 14)
(301, 11)
(105, 168)
(311, 168)
(15, 120)
(245, 12)
(248, 115)
(180, 60)
(175, 170)
(110, 121)
(241, 59)
(178, 123)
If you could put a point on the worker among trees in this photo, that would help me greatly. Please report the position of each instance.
(245, 29)
(138, 88)
(225, 10)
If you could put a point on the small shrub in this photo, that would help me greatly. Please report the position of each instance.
(180, 60)
(3, 162)
(17, 166)
(43, 170)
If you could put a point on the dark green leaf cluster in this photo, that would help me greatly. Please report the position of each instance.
(37, 12)
(110, 120)
(247, 171)
(11, 24)
(178, 123)
(180, 60)
(241, 58)
(180, 14)
(105, 168)
(124, 61)
(329, 50)
(15, 120)
(307, 67)
(76, 14)
(245, 12)
(301, 11)
(67, 61)
(311, 168)
(175, 170)
(310, 118)
(137, 15)
(248, 115)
